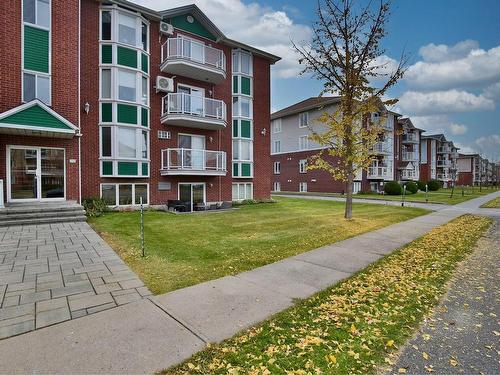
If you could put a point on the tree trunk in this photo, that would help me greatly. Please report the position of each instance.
(348, 201)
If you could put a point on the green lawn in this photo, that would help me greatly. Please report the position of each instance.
(442, 196)
(356, 326)
(187, 249)
(494, 203)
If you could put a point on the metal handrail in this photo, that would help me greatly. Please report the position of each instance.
(193, 159)
(193, 105)
(182, 48)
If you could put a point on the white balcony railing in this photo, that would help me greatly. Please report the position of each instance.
(410, 138)
(378, 172)
(381, 148)
(410, 156)
(188, 49)
(407, 174)
(181, 103)
(443, 163)
(444, 150)
(187, 160)
(443, 176)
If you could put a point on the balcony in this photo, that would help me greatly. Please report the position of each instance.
(189, 162)
(444, 150)
(443, 163)
(381, 148)
(410, 138)
(378, 172)
(193, 111)
(408, 174)
(444, 176)
(409, 156)
(189, 58)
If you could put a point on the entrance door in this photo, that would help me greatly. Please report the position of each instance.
(35, 174)
(191, 195)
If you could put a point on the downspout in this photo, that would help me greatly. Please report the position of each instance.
(79, 108)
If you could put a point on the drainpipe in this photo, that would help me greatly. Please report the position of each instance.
(79, 108)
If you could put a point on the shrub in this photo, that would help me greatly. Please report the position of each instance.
(392, 188)
(411, 187)
(421, 185)
(434, 185)
(95, 206)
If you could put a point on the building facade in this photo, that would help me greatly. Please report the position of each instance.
(407, 146)
(438, 159)
(110, 99)
(474, 170)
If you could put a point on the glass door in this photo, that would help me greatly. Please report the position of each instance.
(185, 196)
(52, 173)
(192, 195)
(23, 174)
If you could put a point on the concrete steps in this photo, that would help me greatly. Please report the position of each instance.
(41, 213)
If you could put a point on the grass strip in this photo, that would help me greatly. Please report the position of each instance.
(494, 203)
(352, 327)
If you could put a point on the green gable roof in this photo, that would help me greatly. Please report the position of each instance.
(181, 22)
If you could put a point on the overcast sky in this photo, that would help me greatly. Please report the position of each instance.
(453, 82)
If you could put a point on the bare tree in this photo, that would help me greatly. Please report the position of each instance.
(345, 54)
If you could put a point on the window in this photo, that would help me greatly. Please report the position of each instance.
(242, 107)
(37, 12)
(144, 36)
(106, 141)
(277, 126)
(242, 149)
(141, 191)
(36, 87)
(423, 152)
(302, 187)
(126, 142)
(108, 193)
(125, 195)
(276, 146)
(303, 119)
(242, 62)
(303, 166)
(277, 167)
(105, 25)
(276, 186)
(127, 85)
(126, 29)
(242, 191)
(145, 90)
(303, 142)
(106, 83)
(144, 141)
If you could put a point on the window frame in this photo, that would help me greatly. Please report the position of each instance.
(139, 131)
(303, 166)
(277, 129)
(303, 139)
(277, 150)
(245, 185)
(277, 167)
(301, 187)
(117, 193)
(301, 117)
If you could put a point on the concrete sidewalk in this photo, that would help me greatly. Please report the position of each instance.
(159, 332)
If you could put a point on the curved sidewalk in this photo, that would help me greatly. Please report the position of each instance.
(161, 331)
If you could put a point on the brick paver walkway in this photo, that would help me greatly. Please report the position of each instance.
(56, 272)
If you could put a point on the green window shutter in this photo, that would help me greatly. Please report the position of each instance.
(235, 170)
(245, 129)
(144, 63)
(107, 168)
(127, 168)
(144, 117)
(245, 85)
(36, 49)
(127, 114)
(235, 128)
(144, 169)
(106, 112)
(106, 54)
(235, 84)
(127, 57)
(245, 170)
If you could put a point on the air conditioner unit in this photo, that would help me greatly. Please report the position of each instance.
(164, 84)
(166, 28)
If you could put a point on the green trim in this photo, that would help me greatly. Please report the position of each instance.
(246, 129)
(127, 114)
(144, 63)
(180, 22)
(235, 169)
(127, 57)
(36, 49)
(235, 128)
(107, 54)
(235, 84)
(245, 170)
(245, 85)
(145, 167)
(127, 168)
(144, 117)
(107, 168)
(35, 116)
(106, 112)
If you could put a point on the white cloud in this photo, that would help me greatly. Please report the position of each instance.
(461, 66)
(260, 26)
(465, 149)
(427, 103)
(458, 129)
(439, 124)
(489, 145)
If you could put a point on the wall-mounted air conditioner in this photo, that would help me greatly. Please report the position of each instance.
(166, 28)
(164, 84)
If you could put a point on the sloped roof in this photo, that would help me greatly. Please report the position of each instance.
(406, 121)
(305, 105)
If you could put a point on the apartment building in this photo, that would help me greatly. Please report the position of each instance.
(291, 148)
(107, 98)
(438, 159)
(407, 146)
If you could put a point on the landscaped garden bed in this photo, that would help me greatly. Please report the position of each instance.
(494, 203)
(183, 250)
(356, 326)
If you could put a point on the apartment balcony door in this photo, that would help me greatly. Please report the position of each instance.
(194, 154)
(35, 174)
(193, 100)
(192, 195)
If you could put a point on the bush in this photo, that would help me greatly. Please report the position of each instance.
(421, 185)
(95, 206)
(434, 185)
(411, 187)
(392, 188)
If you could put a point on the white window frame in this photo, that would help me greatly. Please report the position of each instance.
(277, 167)
(303, 166)
(239, 187)
(302, 116)
(237, 106)
(303, 142)
(276, 147)
(114, 143)
(277, 186)
(277, 126)
(236, 56)
(238, 142)
(303, 187)
(117, 193)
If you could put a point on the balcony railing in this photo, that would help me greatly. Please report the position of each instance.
(410, 138)
(185, 161)
(410, 156)
(378, 172)
(444, 150)
(381, 148)
(408, 174)
(193, 59)
(193, 111)
(443, 163)
(443, 176)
